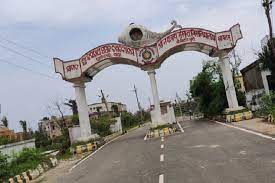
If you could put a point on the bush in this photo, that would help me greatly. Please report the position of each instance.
(41, 140)
(4, 168)
(27, 159)
(101, 126)
(129, 120)
(6, 140)
(267, 104)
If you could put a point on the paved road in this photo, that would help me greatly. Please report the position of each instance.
(205, 152)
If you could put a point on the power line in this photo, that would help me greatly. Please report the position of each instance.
(24, 47)
(26, 69)
(18, 53)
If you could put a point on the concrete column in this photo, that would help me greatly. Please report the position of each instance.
(156, 113)
(228, 82)
(84, 121)
(265, 82)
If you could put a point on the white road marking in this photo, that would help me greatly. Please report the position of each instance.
(161, 178)
(248, 131)
(77, 164)
(162, 146)
(162, 139)
(181, 129)
(145, 138)
(242, 152)
(161, 157)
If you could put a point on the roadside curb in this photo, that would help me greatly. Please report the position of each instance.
(30, 175)
(245, 130)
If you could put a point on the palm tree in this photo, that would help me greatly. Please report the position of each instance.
(23, 125)
(5, 121)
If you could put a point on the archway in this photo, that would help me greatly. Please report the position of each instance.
(148, 50)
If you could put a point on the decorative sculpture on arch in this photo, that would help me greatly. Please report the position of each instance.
(139, 36)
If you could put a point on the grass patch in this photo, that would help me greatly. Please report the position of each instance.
(28, 158)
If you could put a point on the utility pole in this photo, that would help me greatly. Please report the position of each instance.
(104, 100)
(179, 104)
(138, 103)
(267, 4)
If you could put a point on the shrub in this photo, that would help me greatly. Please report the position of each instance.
(102, 125)
(129, 120)
(4, 168)
(267, 104)
(6, 140)
(27, 159)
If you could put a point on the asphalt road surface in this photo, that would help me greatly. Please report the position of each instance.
(206, 152)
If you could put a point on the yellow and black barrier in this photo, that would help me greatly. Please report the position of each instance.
(161, 132)
(85, 148)
(270, 119)
(29, 175)
(239, 116)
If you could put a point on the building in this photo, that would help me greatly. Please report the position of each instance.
(51, 128)
(256, 82)
(6, 132)
(10, 134)
(98, 109)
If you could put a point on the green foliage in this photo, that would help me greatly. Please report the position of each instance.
(102, 125)
(6, 140)
(267, 57)
(4, 167)
(75, 119)
(209, 89)
(267, 104)
(5, 121)
(41, 140)
(25, 160)
(23, 125)
(129, 120)
(68, 154)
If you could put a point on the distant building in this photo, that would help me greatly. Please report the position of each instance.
(51, 128)
(256, 82)
(98, 109)
(7, 133)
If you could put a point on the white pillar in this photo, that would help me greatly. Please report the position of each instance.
(156, 113)
(265, 82)
(228, 82)
(83, 113)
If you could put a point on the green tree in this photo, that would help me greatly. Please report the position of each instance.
(129, 120)
(267, 58)
(267, 104)
(208, 88)
(5, 121)
(23, 125)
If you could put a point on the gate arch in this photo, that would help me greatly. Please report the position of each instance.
(148, 50)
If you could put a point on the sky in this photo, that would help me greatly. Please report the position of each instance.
(68, 28)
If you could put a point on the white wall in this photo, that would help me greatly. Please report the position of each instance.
(16, 147)
(116, 127)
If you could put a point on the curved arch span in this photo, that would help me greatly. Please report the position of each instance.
(185, 39)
